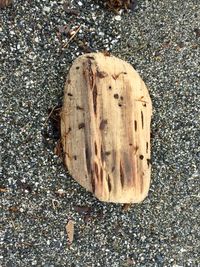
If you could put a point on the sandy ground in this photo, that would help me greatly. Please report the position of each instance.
(161, 40)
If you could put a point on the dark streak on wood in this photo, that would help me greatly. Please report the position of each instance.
(81, 125)
(109, 184)
(96, 170)
(88, 157)
(102, 155)
(94, 93)
(101, 74)
(69, 81)
(121, 175)
(135, 123)
(141, 182)
(95, 148)
(141, 157)
(77, 67)
(69, 130)
(103, 124)
(75, 157)
(90, 74)
(113, 168)
(147, 147)
(101, 174)
(148, 162)
(69, 94)
(90, 57)
(79, 108)
(142, 119)
(115, 76)
(107, 153)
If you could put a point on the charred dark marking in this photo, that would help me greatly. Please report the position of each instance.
(147, 147)
(141, 157)
(81, 125)
(69, 94)
(101, 74)
(125, 73)
(103, 124)
(116, 96)
(94, 93)
(135, 123)
(148, 162)
(142, 119)
(130, 144)
(121, 175)
(120, 105)
(121, 97)
(109, 184)
(69, 81)
(113, 168)
(110, 87)
(95, 148)
(96, 170)
(79, 108)
(77, 67)
(144, 104)
(101, 174)
(75, 157)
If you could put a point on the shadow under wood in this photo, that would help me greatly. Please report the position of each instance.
(52, 132)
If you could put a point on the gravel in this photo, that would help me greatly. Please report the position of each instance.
(161, 40)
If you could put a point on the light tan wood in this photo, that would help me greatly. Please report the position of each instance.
(105, 128)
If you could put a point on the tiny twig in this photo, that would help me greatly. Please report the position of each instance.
(72, 37)
(55, 203)
(49, 115)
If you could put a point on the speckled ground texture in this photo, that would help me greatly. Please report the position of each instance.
(161, 40)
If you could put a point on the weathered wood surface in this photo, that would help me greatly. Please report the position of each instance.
(105, 128)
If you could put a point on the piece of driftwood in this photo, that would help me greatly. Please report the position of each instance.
(105, 128)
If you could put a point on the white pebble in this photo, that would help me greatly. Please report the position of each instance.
(46, 9)
(118, 18)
